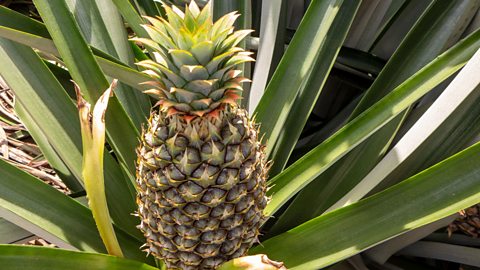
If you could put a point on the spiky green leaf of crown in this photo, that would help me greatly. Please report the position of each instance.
(195, 63)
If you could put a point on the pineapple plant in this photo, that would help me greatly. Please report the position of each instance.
(201, 170)
(333, 197)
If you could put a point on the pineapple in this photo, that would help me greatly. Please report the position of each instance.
(201, 169)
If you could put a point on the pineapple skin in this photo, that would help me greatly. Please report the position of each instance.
(201, 187)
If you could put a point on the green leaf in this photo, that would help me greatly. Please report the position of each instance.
(110, 66)
(26, 73)
(360, 61)
(29, 201)
(86, 72)
(50, 107)
(443, 252)
(37, 42)
(41, 258)
(308, 95)
(295, 68)
(147, 7)
(125, 74)
(15, 20)
(394, 12)
(382, 252)
(458, 131)
(368, 21)
(399, 27)
(103, 28)
(137, 51)
(62, 76)
(53, 158)
(456, 106)
(430, 36)
(456, 239)
(271, 34)
(11, 233)
(24, 32)
(131, 16)
(339, 120)
(302, 172)
(436, 28)
(437, 192)
(203, 51)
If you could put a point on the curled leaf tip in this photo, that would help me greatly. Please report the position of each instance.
(101, 105)
(81, 102)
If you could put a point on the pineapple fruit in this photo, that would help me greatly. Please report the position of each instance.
(201, 169)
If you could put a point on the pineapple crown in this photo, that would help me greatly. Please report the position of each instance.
(194, 68)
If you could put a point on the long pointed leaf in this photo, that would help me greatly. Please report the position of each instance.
(303, 171)
(464, 90)
(307, 97)
(437, 192)
(382, 252)
(294, 69)
(22, 30)
(71, 224)
(394, 11)
(50, 107)
(40, 258)
(269, 31)
(131, 16)
(366, 23)
(15, 20)
(53, 158)
(86, 72)
(103, 28)
(430, 36)
(147, 7)
(445, 252)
